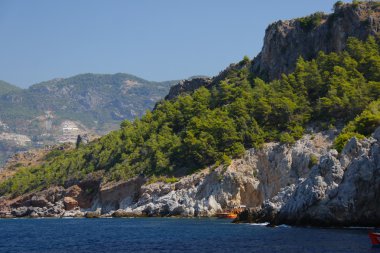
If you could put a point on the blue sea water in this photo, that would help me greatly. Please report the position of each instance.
(172, 235)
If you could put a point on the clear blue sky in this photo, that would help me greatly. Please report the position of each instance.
(154, 39)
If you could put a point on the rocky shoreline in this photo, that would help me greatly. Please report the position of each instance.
(248, 181)
(279, 184)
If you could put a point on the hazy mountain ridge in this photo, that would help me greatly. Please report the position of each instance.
(103, 98)
(7, 88)
(96, 103)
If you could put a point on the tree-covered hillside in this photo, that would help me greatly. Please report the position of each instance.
(7, 88)
(209, 127)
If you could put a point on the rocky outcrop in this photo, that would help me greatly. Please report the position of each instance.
(186, 86)
(259, 175)
(286, 41)
(70, 203)
(53, 202)
(342, 190)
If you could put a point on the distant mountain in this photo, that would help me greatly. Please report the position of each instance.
(7, 88)
(89, 103)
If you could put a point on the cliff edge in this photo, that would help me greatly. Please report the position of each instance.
(286, 41)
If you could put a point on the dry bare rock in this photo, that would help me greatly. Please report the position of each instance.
(286, 41)
(338, 192)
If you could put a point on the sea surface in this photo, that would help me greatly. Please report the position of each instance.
(172, 235)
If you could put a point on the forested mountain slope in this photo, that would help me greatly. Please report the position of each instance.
(211, 126)
(7, 88)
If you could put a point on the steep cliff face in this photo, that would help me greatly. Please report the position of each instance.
(286, 41)
(259, 175)
(342, 190)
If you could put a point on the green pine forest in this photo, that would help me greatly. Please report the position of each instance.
(211, 126)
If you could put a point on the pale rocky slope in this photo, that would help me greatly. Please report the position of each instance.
(342, 190)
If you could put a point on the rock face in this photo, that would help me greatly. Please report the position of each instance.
(286, 41)
(340, 191)
(70, 203)
(53, 202)
(259, 175)
(185, 86)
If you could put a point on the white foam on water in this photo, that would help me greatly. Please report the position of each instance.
(259, 224)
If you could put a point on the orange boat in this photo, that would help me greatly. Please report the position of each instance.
(231, 213)
(226, 215)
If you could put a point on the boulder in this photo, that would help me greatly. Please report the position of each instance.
(73, 191)
(123, 213)
(93, 214)
(38, 201)
(73, 213)
(21, 211)
(70, 203)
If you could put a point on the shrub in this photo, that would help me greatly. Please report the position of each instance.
(313, 160)
(310, 22)
(52, 154)
(246, 60)
(343, 138)
(167, 180)
(355, 3)
(297, 132)
(286, 138)
(367, 122)
(338, 4)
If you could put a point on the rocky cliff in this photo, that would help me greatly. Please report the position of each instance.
(190, 85)
(286, 41)
(342, 190)
(185, 86)
(258, 176)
